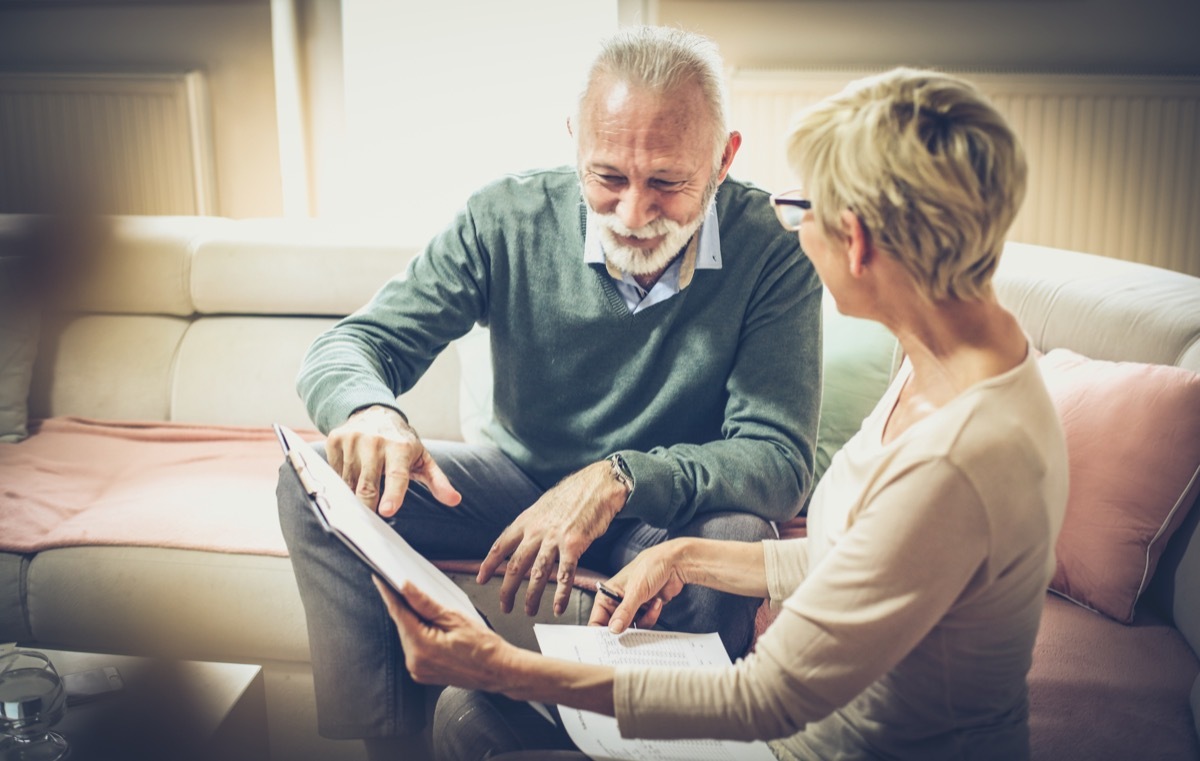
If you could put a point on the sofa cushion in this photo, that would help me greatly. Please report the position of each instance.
(1103, 690)
(1102, 308)
(1133, 440)
(111, 366)
(1176, 588)
(859, 359)
(18, 351)
(13, 625)
(1196, 705)
(137, 264)
(167, 602)
(262, 355)
(19, 326)
(283, 266)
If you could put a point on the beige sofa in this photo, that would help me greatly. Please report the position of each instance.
(201, 322)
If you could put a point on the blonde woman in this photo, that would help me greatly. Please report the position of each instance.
(909, 613)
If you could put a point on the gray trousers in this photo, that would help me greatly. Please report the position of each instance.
(362, 687)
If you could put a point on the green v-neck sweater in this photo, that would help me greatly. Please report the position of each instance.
(712, 396)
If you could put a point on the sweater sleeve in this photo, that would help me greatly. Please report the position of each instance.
(878, 592)
(383, 349)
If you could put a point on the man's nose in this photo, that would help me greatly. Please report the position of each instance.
(637, 207)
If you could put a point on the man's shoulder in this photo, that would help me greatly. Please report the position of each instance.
(743, 204)
(744, 189)
(746, 218)
(555, 181)
(530, 197)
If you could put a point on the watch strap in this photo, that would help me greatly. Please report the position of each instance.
(621, 473)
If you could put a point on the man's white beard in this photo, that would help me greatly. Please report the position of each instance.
(637, 261)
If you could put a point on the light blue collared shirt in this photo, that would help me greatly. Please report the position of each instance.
(706, 253)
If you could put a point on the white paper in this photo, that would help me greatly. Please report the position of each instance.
(597, 735)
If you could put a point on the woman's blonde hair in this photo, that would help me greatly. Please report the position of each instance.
(926, 163)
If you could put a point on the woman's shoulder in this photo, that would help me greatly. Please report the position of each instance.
(1004, 430)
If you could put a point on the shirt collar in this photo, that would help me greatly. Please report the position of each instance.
(703, 251)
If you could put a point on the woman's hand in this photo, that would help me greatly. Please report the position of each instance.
(443, 646)
(648, 583)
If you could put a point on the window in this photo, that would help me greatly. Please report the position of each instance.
(445, 95)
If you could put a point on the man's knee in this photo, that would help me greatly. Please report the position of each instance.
(292, 501)
(468, 726)
(701, 610)
(297, 519)
(454, 707)
(289, 499)
(731, 526)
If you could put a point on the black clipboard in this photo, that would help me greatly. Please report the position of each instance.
(367, 535)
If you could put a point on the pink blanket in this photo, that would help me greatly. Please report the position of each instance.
(81, 482)
(88, 482)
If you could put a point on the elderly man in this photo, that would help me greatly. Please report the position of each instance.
(656, 347)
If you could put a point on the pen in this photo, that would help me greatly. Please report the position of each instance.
(618, 599)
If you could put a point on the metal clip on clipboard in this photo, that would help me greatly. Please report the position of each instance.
(315, 491)
(362, 531)
(372, 540)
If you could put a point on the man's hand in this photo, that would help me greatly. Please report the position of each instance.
(652, 579)
(559, 527)
(377, 445)
(443, 646)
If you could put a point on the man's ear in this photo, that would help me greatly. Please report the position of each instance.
(731, 148)
(858, 244)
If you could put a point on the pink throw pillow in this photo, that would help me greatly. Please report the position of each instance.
(1133, 442)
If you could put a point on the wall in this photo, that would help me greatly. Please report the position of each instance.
(229, 41)
(1119, 36)
(1121, 181)
(443, 97)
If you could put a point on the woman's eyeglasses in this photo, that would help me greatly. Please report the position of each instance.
(790, 208)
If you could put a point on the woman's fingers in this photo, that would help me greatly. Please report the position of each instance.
(602, 610)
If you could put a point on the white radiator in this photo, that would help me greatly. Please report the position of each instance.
(1114, 160)
(123, 143)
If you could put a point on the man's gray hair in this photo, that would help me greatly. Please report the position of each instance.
(661, 60)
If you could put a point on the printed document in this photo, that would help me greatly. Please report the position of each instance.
(597, 735)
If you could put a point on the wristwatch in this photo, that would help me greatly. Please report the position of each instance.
(621, 472)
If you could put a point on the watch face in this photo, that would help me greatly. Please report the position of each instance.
(618, 463)
(621, 472)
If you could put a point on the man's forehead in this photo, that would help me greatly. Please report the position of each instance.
(614, 96)
(622, 117)
(618, 100)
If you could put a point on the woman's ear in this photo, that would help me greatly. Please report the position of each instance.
(858, 243)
